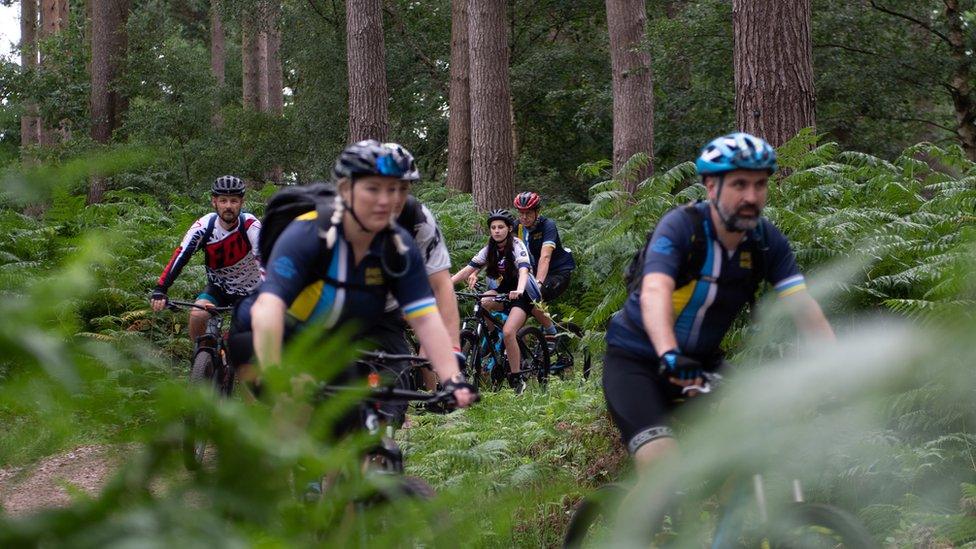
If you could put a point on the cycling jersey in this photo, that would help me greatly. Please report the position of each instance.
(340, 291)
(508, 279)
(429, 240)
(544, 234)
(706, 306)
(230, 256)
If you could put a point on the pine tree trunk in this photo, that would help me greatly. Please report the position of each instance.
(218, 57)
(492, 160)
(250, 61)
(275, 99)
(366, 61)
(263, 77)
(53, 18)
(773, 63)
(459, 123)
(108, 51)
(633, 87)
(29, 122)
(962, 88)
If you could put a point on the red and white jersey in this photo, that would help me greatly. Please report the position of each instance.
(230, 255)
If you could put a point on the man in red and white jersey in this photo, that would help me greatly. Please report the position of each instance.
(229, 240)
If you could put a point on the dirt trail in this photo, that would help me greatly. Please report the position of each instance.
(42, 485)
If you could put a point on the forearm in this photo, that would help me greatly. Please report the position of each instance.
(544, 259)
(657, 312)
(462, 274)
(437, 344)
(809, 317)
(268, 327)
(443, 288)
(523, 279)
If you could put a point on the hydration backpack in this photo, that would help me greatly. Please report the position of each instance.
(695, 262)
(289, 203)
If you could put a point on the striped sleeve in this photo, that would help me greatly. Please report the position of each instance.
(790, 286)
(419, 308)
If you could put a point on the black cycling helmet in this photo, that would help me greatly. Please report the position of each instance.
(370, 157)
(503, 215)
(227, 185)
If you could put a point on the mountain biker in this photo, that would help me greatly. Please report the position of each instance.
(229, 240)
(509, 270)
(551, 262)
(671, 326)
(343, 276)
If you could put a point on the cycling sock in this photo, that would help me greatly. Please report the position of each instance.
(551, 330)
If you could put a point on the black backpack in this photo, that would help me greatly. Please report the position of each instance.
(289, 203)
(696, 257)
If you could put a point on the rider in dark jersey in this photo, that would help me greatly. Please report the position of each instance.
(343, 276)
(670, 328)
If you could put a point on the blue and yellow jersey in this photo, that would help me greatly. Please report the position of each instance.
(545, 235)
(705, 306)
(326, 286)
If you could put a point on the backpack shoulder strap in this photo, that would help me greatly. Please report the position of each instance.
(208, 232)
(411, 215)
(699, 244)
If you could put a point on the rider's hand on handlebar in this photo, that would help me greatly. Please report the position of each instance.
(158, 300)
(514, 295)
(681, 370)
(464, 393)
(472, 280)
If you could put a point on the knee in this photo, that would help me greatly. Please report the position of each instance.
(196, 315)
(508, 332)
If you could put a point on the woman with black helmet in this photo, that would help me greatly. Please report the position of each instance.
(509, 270)
(340, 274)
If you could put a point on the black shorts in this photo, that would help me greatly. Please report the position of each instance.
(555, 284)
(638, 399)
(219, 297)
(524, 302)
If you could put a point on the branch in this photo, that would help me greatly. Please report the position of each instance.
(315, 8)
(923, 121)
(432, 67)
(907, 17)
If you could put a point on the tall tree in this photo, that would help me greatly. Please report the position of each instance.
(251, 61)
(53, 19)
(633, 90)
(459, 123)
(962, 82)
(773, 66)
(29, 121)
(492, 157)
(218, 57)
(366, 62)
(108, 51)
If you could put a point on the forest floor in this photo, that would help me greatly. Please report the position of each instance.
(51, 481)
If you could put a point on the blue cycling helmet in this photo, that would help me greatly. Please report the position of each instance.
(736, 151)
(370, 157)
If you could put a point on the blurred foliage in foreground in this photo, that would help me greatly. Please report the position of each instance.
(879, 425)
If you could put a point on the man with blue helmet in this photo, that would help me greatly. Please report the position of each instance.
(701, 267)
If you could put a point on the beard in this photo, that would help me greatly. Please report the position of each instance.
(229, 216)
(739, 220)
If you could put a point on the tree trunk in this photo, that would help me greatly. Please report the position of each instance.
(366, 61)
(53, 19)
(275, 80)
(108, 50)
(773, 63)
(962, 88)
(263, 77)
(250, 61)
(633, 87)
(29, 121)
(459, 123)
(492, 160)
(218, 57)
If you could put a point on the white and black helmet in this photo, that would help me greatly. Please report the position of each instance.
(370, 157)
(227, 185)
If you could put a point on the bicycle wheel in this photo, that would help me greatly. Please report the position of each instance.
(568, 343)
(202, 372)
(472, 354)
(817, 525)
(592, 519)
(535, 353)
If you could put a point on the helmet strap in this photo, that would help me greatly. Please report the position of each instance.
(351, 208)
(727, 221)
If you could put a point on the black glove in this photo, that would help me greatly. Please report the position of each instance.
(675, 364)
(452, 385)
(159, 293)
(462, 361)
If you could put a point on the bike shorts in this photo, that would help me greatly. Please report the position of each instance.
(531, 293)
(555, 284)
(639, 400)
(219, 297)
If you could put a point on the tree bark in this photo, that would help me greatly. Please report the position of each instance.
(53, 19)
(459, 123)
(251, 61)
(633, 87)
(366, 61)
(492, 160)
(29, 121)
(275, 78)
(108, 50)
(218, 58)
(961, 86)
(773, 64)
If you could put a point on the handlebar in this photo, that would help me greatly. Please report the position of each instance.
(710, 380)
(382, 357)
(393, 394)
(501, 298)
(189, 305)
